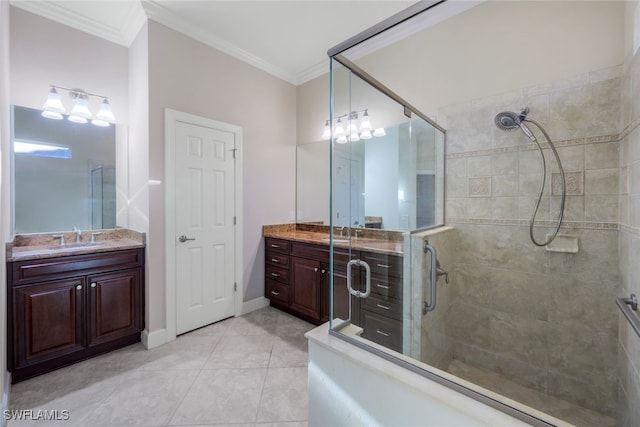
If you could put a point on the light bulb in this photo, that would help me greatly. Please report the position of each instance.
(81, 107)
(105, 113)
(98, 122)
(379, 132)
(77, 119)
(327, 130)
(339, 128)
(365, 124)
(51, 115)
(352, 127)
(53, 102)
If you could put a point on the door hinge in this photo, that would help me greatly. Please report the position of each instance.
(235, 286)
(233, 152)
(235, 220)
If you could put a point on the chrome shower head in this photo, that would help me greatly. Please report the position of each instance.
(508, 120)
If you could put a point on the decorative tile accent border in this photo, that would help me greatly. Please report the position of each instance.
(529, 147)
(634, 231)
(630, 128)
(574, 183)
(522, 222)
(480, 187)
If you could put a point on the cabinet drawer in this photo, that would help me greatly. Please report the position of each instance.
(386, 287)
(321, 253)
(382, 330)
(277, 245)
(277, 259)
(277, 273)
(390, 307)
(45, 269)
(276, 291)
(386, 265)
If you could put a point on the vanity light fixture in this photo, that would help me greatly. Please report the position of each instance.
(351, 132)
(80, 113)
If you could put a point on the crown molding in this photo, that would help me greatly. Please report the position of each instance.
(164, 16)
(122, 35)
(313, 72)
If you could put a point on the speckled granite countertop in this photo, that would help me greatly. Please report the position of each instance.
(44, 245)
(381, 241)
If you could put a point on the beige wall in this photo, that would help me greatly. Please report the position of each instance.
(495, 47)
(186, 75)
(629, 242)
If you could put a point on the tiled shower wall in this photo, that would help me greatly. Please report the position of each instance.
(545, 319)
(629, 342)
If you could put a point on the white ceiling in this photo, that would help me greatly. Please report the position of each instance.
(286, 38)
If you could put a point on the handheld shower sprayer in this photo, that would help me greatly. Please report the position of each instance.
(508, 121)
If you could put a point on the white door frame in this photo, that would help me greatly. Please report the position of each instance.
(170, 119)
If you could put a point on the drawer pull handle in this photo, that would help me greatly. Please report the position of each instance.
(275, 293)
(79, 287)
(381, 286)
(315, 269)
(275, 246)
(383, 306)
(275, 260)
(93, 285)
(323, 271)
(275, 274)
(386, 334)
(384, 265)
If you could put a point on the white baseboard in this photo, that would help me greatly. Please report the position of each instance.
(4, 404)
(153, 339)
(254, 304)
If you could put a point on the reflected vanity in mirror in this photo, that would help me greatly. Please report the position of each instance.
(372, 177)
(63, 174)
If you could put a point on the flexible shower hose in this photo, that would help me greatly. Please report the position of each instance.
(544, 177)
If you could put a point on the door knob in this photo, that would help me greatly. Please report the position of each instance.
(184, 238)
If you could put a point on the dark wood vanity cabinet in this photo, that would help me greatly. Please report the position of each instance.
(66, 309)
(297, 281)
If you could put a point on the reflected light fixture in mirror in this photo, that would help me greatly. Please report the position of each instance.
(353, 132)
(80, 113)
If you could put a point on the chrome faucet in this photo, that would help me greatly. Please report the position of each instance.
(78, 234)
(341, 229)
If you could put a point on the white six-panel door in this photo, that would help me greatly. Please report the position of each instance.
(204, 225)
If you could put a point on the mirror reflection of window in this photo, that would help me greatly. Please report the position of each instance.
(56, 183)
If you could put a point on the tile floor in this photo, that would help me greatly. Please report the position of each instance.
(566, 411)
(244, 371)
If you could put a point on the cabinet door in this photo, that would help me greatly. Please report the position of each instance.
(341, 295)
(48, 320)
(304, 293)
(115, 306)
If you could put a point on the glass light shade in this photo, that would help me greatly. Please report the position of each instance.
(52, 115)
(76, 119)
(98, 122)
(53, 102)
(105, 113)
(354, 137)
(365, 123)
(366, 134)
(326, 134)
(342, 139)
(81, 108)
(352, 127)
(339, 128)
(379, 132)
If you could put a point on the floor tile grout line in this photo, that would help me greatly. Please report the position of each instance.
(173, 414)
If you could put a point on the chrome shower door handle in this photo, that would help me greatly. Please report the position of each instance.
(184, 238)
(431, 305)
(367, 289)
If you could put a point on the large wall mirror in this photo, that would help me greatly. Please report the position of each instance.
(63, 174)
